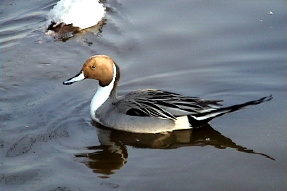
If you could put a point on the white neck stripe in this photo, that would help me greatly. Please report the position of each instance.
(101, 96)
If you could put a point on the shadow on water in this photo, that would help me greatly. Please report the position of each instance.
(112, 154)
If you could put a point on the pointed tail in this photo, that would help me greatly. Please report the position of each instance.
(204, 117)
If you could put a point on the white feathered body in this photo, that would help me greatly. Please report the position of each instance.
(79, 13)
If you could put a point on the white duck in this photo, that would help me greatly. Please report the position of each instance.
(70, 16)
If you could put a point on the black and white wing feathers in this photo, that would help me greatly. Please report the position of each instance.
(167, 105)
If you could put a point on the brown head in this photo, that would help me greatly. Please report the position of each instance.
(99, 67)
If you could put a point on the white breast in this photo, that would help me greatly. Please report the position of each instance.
(101, 96)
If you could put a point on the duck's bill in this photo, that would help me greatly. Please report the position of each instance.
(79, 77)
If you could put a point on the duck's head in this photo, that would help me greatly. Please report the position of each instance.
(99, 67)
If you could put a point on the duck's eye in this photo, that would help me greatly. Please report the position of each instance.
(93, 67)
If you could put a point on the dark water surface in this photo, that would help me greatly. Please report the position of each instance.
(230, 50)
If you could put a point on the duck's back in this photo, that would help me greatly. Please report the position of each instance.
(79, 13)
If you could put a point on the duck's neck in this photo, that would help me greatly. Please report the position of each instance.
(102, 94)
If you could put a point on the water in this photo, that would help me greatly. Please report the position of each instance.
(235, 51)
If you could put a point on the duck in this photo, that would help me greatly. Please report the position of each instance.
(146, 110)
(68, 17)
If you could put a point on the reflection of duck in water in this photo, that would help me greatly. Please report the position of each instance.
(107, 157)
(112, 154)
(71, 16)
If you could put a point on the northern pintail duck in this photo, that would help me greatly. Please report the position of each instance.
(71, 16)
(145, 110)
